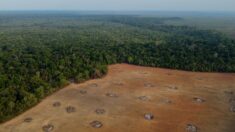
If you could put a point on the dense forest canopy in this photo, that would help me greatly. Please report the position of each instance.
(41, 53)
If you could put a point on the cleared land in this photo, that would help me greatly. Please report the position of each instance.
(126, 99)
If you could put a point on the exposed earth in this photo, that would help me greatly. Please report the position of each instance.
(136, 99)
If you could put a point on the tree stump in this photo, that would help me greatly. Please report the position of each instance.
(148, 116)
(28, 119)
(143, 98)
(199, 100)
(96, 124)
(48, 128)
(232, 109)
(191, 128)
(111, 95)
(99, 111)
(56, 104)
(83, 92)
(70, 109)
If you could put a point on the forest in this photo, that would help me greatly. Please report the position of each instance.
(41, 53)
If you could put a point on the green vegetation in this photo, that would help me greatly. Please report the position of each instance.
(41, 53)
(223, 24)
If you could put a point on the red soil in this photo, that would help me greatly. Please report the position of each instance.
(169, 97)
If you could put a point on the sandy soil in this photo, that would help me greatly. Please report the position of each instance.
(167, 94)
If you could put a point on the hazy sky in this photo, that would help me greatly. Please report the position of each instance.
(191, 5)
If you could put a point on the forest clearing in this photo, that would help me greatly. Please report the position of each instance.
(137, 99)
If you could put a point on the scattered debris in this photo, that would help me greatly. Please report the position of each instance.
(28, 119)
(70, 109)
(143, 98)
(99, 111)
(56, 104)
(96, 124)
(48, 128)
(191, 128)
(199, 100)
(111, 95)
(148, 116)
(83, 92)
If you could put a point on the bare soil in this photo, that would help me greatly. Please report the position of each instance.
(170, 100)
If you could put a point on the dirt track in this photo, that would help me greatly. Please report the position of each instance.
(127, 93)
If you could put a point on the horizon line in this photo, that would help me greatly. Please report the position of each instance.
(141, 10)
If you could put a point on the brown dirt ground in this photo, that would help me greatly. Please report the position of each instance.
(125, 113)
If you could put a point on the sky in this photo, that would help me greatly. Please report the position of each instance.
(126, 5)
